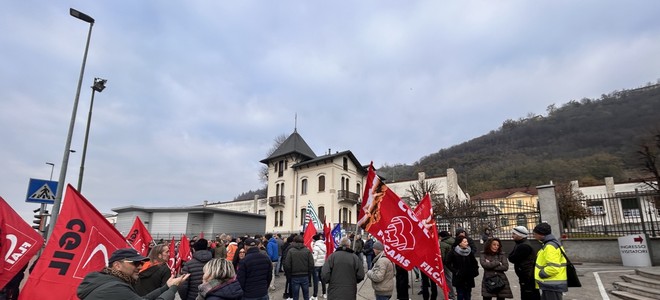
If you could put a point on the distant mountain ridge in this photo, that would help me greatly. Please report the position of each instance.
(584, 140)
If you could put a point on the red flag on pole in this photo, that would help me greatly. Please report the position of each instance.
(329, 243)
(392, 222)
(81, 242)
(172, 262)
(139, 237)
(184, 253)
(310, 231)
(431, 257)
(18, 243)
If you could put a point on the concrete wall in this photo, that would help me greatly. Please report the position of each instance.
(594, 250)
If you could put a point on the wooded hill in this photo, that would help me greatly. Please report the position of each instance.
(583, 140)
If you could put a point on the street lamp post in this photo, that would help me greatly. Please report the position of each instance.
(99, 86)
(52, 167)
(67, 146)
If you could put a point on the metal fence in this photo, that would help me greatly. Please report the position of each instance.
(616, 215)
(492, 218)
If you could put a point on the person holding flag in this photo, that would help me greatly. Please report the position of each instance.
(382, 274)
(116, 280)
(195, 267)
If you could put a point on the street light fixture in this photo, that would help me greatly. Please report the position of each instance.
(67, 147)
(52, 167)
(99, 86)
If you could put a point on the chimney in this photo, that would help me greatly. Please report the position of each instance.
(609, 185)
(206, 202)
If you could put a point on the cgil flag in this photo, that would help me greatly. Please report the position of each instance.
(139, 237)
(171, 263)
(432, 264)
(393, 223)
(81, 243)
(18, 243)
(308, 236)
(310, 214)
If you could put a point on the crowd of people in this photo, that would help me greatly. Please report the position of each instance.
(245, 267)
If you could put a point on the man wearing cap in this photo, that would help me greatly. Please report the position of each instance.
(116, 280)
(255, 272)
(550, 270)
(381, 274)
(523, 256)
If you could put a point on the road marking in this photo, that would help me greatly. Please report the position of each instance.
(601, 288)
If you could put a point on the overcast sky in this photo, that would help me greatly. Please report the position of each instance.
(198, 90)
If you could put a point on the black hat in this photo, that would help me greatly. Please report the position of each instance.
(459, 231)
(444, 233)
(251, 242)
(543, 229)
(201, 244)
(128, 254)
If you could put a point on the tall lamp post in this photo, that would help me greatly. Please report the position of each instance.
(52, 167)
(67, 147)
(99, 86)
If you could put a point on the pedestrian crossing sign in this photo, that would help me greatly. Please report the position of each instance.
(41, 191)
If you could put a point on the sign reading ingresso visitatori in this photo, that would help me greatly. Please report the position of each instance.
(634, 250)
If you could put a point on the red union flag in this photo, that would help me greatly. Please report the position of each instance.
(172, 262)
(81, 242)
(392, 222)
(18, 243)
(139, 237)
(431, 258)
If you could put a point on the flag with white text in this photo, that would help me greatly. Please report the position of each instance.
(432, 257)
(18, 243)
(81, 243)
(139, 237)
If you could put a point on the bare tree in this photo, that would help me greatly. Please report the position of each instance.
(277, 142)
(649, 154)
(571, 203)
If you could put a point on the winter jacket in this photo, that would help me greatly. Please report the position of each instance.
(464, 268)
(232, 248)
(342, 271)
(299, 261)
(318, 253)
(103, 286)
(255, 272)
(272, 251)
(523, 258)
(195, 267)
(368, 248)
(382, 275)
(230, 290)
(220, 250)
(152, 278)
(550, 271)
(495, 265)
(358, 245)
(446, 246)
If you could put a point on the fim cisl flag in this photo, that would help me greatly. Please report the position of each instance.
(81, 242)
(18, 243)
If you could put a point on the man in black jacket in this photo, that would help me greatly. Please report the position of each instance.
(116, 281)
(523, 256)
(300, 264)
(255, 272)
(195, 267)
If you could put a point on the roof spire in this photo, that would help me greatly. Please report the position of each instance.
(295, 123)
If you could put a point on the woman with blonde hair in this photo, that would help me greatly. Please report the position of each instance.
(219, 281)
(155, 272)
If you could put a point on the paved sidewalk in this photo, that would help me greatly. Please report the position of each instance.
(596, 281)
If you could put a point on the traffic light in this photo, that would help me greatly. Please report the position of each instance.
(39, 219)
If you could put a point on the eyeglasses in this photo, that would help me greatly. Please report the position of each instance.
(135, 263)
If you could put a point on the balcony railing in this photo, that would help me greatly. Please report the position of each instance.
(276, 201)
(347, 197)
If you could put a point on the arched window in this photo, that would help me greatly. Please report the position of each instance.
(302, 216)
(357, 188)
(339, 214)
(321, 211)
(321, 183)
(303, 187)
(277, 213)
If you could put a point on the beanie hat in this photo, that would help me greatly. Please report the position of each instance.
(543, 229)
(201, 244)
(459, 231)
(378, 246)
(443, 233)
(520, 231)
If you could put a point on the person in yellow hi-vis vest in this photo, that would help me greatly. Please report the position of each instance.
(550, 270)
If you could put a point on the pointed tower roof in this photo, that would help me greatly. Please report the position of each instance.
(294, 144)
